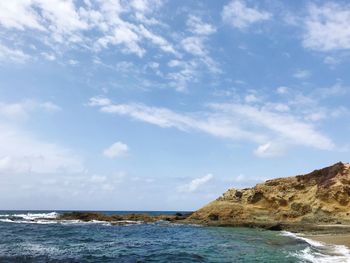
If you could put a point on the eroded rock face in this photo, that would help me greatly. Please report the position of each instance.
(322, 196)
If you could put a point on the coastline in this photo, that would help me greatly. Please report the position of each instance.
(330, 239)
(327, 234)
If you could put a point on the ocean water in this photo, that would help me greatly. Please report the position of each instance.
(27, 237)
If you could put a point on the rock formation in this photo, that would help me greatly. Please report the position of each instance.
(124, 219)
(320, 197)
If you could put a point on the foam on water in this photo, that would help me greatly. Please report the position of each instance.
(49, 218)
(29, 218)
(320, 252)
(43, 236)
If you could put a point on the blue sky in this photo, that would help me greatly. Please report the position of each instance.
(163, 105)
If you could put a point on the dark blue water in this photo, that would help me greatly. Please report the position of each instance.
(25, 238)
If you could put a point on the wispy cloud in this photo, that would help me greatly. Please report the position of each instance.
(185, 71)
(116, 150)
(22, 153)
(22, 109)
(195, 184)
(239, 15)
(197, 26)
(235, 121)
(302, 74)
(327, 27)
(15, 55)
(89, 25)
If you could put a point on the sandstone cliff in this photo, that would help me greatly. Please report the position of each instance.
(320, 197)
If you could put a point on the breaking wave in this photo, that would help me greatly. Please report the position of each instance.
(320, 252)
(52, 218)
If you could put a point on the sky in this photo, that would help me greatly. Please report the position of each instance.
(164, 105)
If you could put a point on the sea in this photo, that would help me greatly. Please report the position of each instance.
(36, 236)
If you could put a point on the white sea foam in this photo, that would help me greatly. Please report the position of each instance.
(34, 216)
(50, 218)
(319, 252)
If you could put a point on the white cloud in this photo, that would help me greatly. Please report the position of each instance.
(194, 45)
(73, 62)
(282, 90)
(19, 15)
(49, 106)
(99, 101)
(175, 63)
(231, 121)
(60, 18)
(116, 150)
(21, 110)
(96, 25)
(239, 15)
(129, 27)
(117, 31)
(98, 179)
(187, 71)
(21, 153)
(332, 61)
(48, 56)
(146, 6)
(13, 110)
(287, 127)
(214, 124)
(157, 40)
(327, 27)
(335, 90)
(251, 98)
(195, 184)
(268, 150)
(15, 55)
(197, 26)
(123, 35)
(302, 74)
(278, 107)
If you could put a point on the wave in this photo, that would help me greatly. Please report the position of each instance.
(51, 218)
(37, 218)
(320, 252)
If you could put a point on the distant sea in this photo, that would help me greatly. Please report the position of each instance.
(26, 238)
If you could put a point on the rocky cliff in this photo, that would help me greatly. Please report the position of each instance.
(320, 197)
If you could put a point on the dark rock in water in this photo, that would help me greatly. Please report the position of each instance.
(121, 219)
(85, 216)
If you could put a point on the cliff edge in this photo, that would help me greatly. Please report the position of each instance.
(320, 197)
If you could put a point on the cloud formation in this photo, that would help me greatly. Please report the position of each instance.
(22, 109)
(235, 121)
(90, 25)
(327, 27)
(239, 15)
(22, 153)
(116, 150)
(195, 184)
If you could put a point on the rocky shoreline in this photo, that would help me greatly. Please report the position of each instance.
(317, 203)
(180, 218)
(117, 219)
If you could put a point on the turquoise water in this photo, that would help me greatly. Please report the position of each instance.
(26, 238)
